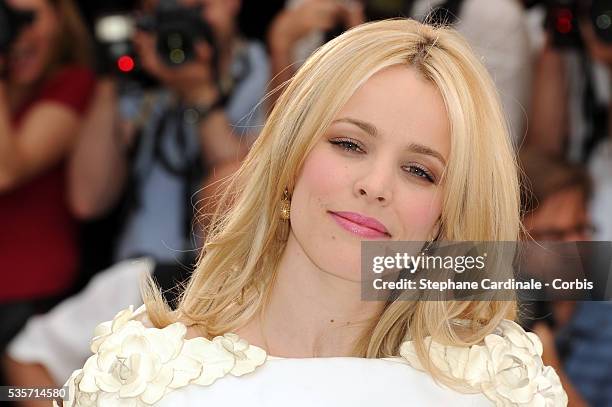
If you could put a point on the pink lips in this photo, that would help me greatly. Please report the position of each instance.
(360, 225)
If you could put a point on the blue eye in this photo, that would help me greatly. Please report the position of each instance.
(421, 173)
(347, 145)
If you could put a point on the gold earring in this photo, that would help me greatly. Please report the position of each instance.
(285, 207)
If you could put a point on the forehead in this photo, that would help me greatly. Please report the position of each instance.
(403, 106)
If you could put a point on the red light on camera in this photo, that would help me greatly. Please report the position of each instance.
(125, 63)
(564, 21)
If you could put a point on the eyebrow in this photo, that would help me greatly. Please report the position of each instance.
(370, 129)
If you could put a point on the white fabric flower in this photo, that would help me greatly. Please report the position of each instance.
(246, 357)
(103, 330)
(136, 366)
(508, 368)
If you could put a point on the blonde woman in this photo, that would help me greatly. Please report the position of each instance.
(392, 131)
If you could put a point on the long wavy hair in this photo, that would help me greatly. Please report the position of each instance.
(236, 269)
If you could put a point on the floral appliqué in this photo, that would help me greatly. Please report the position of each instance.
(133, 365)
(507, 368)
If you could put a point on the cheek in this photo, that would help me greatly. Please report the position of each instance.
(323, 184)
(323, 172)
(321, 178)
(418, 209)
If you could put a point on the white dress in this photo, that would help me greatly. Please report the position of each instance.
(133, 365)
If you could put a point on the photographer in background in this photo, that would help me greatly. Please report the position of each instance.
(121, 155)
(577, 335)
(555, 196)
(192, 131)
(571, 93)
(45, 85)
(571, 97)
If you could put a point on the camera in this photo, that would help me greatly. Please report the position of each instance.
(178, 29)
(563, 21)
(115, 53)
(11, 23)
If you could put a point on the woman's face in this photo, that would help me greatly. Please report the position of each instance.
(34, 47)
(375, 174)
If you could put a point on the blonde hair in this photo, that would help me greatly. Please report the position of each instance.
(236, 269)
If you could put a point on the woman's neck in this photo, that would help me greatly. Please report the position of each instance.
(311, 312)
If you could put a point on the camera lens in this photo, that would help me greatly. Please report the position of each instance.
(178, 29)
(176, 46)
(601, 18)
(177, 56)
(603, 21)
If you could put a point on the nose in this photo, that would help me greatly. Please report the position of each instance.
(376, 184)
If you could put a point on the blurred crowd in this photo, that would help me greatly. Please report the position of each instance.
(119, 124)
